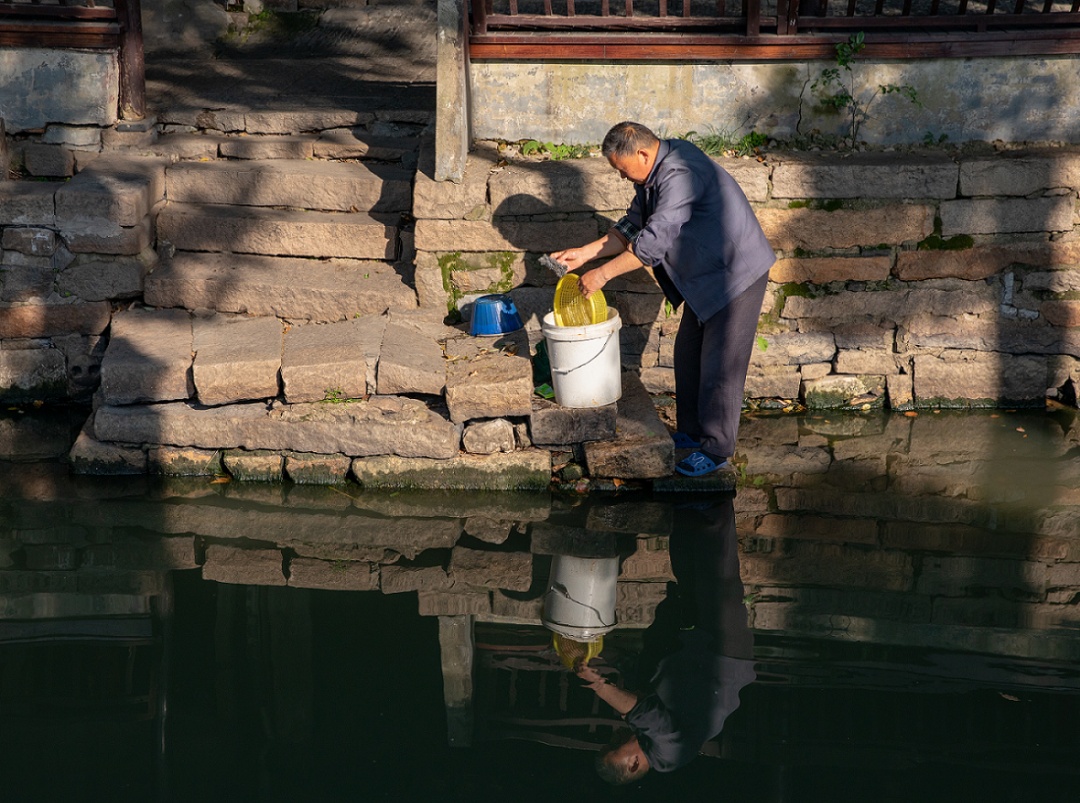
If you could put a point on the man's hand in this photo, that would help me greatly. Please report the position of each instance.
(573, 258)
(592, 678)
(592, 280)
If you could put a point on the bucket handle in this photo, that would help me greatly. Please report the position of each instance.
(562, 591)
(591, 359)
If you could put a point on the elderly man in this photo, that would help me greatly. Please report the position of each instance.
(691, 223)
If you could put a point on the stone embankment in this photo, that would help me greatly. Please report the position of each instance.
(274, 331)
(266, 294)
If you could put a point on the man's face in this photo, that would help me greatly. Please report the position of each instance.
(635, 167)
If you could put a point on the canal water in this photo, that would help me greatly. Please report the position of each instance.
(890, 604)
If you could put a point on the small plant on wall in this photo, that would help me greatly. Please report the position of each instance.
(835, 88)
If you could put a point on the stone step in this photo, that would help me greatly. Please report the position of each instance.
(642, 447)
(337, 144)
(318, 291)
(292, 183)
(276, 232)
(382, 425)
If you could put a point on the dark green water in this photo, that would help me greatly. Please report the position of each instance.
(912, 585)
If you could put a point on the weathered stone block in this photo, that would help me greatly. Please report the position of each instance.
(488, 437)
(269, 147)
(1061, 313)
(865, 175)
(1020, 173)
(236, 359)
(822, 270)
(103, 236)
(524, 469)
(573, 185)
(148, 359)
(511, 571)
(379, 426)
(48, 320)
(881, 362)
(275, 232)
(514, 608)
(91, 456)
(319, 291)
(317, 469)
(1008, 215)
(552, 426)
(359, 144)
(177, 461)
(811, 229)
(447, 200)
(772, 382)
(491, 378)
(845, 393)
(642, 447)
(76, 136)
(48, 161)
(410, 362)
(254, 466)
(27, 203)
(117, 188)
(98, 278)
(30, 241)
(330, 186)
(335, 575)
(399, 578)
(963, 576)
(971, 379)
(502, 235)
(324, 362)
(793, 348)
(249, 567)
(454, 603)
(32, 375)
(314, 117)
(658, 379)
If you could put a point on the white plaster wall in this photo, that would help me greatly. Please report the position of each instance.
(39, 86)
(1021, 100)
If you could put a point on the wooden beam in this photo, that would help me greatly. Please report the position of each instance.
(679, 47)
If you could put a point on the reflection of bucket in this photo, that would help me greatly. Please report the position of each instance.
(580, 600)
(585, 370)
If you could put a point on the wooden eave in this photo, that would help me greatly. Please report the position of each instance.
(607, 46)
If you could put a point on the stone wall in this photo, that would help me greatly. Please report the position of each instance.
(42, 86)
(70, 251)
(904, 279)
(1023, 99)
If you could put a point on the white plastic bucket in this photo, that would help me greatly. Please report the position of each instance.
(585, 363)
(580, 600)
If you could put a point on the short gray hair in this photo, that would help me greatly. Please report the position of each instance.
(625, 138)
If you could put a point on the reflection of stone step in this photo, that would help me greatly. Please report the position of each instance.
(294, 289)
(275, 232)
(292, 183)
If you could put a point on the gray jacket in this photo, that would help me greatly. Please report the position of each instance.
(690, 221)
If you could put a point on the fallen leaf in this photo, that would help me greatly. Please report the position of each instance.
(220, 480)
(1008, 697)
(1020, 429)
(911, 414)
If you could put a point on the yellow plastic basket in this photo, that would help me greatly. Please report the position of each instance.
(573, 309)
(570, 651)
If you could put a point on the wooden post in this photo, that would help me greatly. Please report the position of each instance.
(132, 62)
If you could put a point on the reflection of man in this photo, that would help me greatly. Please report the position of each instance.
(705, 653)
(692, 224)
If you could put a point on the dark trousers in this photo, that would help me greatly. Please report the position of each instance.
(711, 359)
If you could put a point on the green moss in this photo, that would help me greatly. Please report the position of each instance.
(935, 242)
(798, 204)
(832, 206)
(786, 291)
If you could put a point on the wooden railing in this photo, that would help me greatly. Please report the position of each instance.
(769, 29)
(84, 24)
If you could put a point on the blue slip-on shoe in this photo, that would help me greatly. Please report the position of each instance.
(684, 441)
(698, 465)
